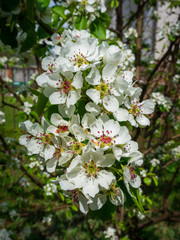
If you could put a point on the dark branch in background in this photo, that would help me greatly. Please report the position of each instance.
(167, 53)
(135, 14)
(119, 14)
(10, 90)
(33, 179)
(139, 39)
(170, 185)
(46, 27)
(160, 143)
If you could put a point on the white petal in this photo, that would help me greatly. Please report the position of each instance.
(57, 98)
(108, 161)
(93, 77)
(108, 73)
(83, 204)
(147, 106)
(118, 199)
(78, 133)
(98, 202)
(49, 152)
(51, 165)
(142, 120)
(48, 91)
(94, 95)
(87, 119)
(111, 128)
(136, 182)
(110, 103)
(105, 178)
(117, 153)
(72, 98)
(123, 136)
(77, 80)
(56, 119)
(42, 80)
(93, 108)
(121, 115)
(91, 188)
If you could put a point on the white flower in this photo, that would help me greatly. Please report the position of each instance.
(47, 220)
(176, 153)
(4, 234)
(27, 107)
(110, 233)
(154, 162)
(3, 60)
(2, 117)
(143, 173)
(85, 172)
(50, 188)
(64, 89)
(24, 182)
(37, 141)
(131, 178)
(13, 214)
(107, 134)
(131, 32)
(137, 110)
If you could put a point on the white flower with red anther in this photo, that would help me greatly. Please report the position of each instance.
(37, 141)
(56, 38)
(50, 65)
(106, 135)
(85, 172)
(79, 55)
(65, 89)
(131, 178)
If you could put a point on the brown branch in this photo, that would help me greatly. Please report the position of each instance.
(167, 53)
(10, 90)
(119, 19)
(168, 192)
(135, 14)
(160, 143)
(167, 216)
(139, 39)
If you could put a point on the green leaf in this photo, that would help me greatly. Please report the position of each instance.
(60, 11)
(42, 4)
(137, 199)
(80, 108)
(35, 92)
(147, 181)
(9, 5)
(30, 10)
(30, 40)
(41, 103)
(7, 36)
(98, 29)
(80, 22)
(105, 213)
(74, 208)
(105, 18)
(155, 181)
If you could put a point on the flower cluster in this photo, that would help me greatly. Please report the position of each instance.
(89, 6)
(86, 137)
(162, 101)
(27, 107)
(2, 117)
(131, 32)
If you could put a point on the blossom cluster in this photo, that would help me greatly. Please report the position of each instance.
(2, 117)
(85, 142)
(131, 32)
(161, 100)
